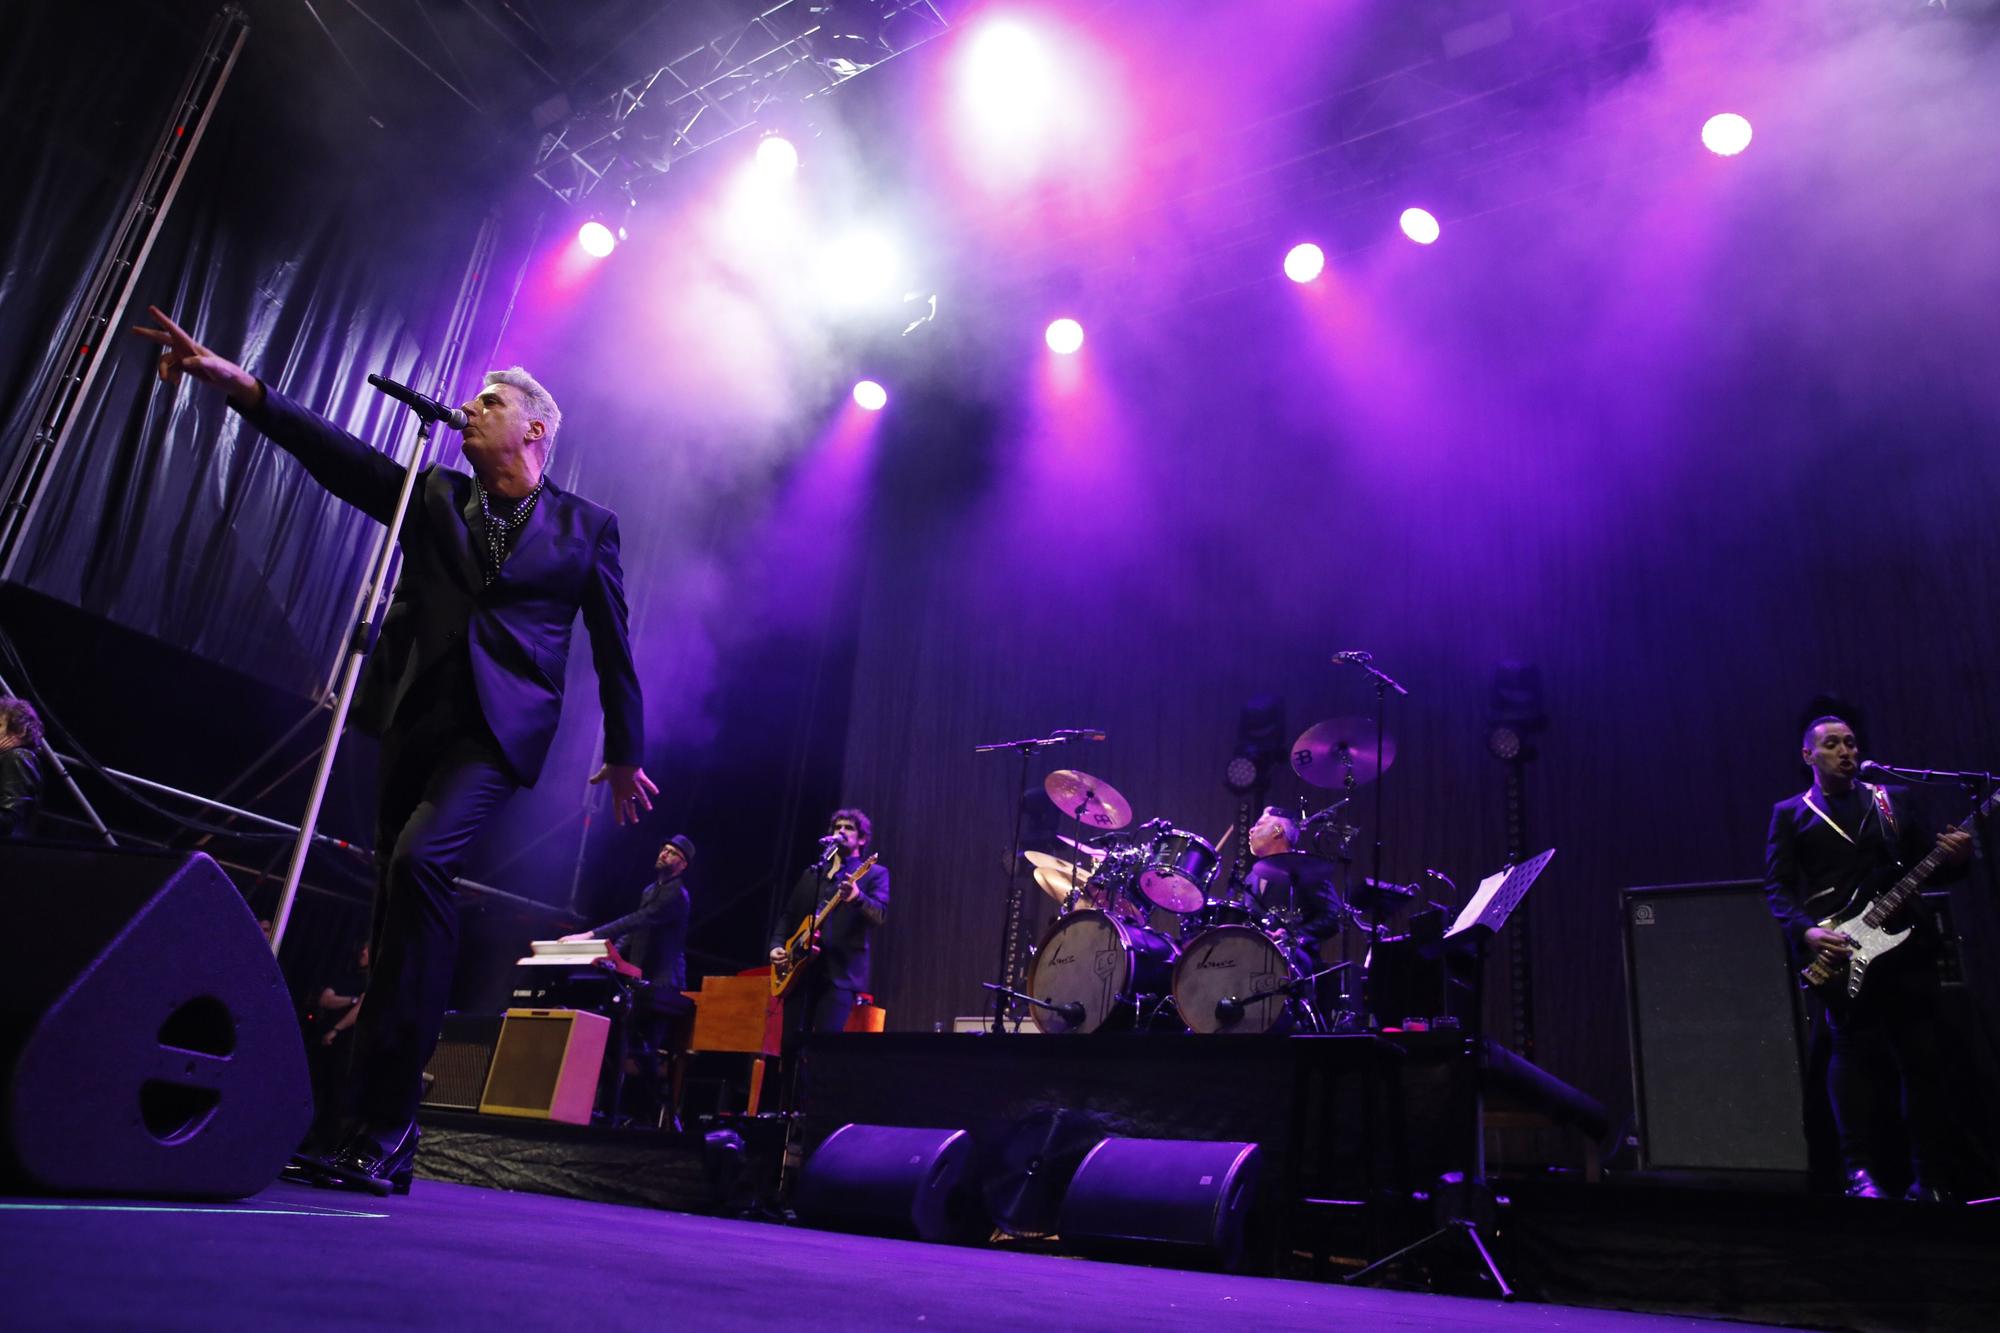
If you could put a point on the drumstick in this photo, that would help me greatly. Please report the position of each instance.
(1223, 841)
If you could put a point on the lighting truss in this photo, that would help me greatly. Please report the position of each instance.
(720, 88)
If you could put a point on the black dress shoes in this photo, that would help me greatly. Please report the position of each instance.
(377, 1163)
(1861, 1185)
(1919, 1192)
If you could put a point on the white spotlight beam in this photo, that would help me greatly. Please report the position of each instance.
(718, 89)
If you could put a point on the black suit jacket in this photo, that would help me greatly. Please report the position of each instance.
(653, 938)
(1810, 870)
(843, 960)
(517, 631)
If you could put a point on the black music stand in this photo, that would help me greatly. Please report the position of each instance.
(1465, 1204)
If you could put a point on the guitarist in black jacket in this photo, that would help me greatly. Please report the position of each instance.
(824, 996)
(1838, 836)
(464, 688)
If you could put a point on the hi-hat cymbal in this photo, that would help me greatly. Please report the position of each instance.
(1327, 751)
(1092, 800)
(1055, 865)
(1056, 883)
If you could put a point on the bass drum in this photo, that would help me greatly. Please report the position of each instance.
(1234, 979)
(1100, 964)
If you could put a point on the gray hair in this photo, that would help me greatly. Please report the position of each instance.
(541, 405)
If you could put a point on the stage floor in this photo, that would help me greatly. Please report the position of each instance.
(462, 1257)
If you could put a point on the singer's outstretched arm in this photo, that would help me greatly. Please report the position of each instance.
(362, 476)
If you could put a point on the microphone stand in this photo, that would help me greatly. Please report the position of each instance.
(1383, 684)
(1010, 926)
(358, 644)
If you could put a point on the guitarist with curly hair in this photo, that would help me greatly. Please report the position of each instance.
(1831, 850)
(854, 905)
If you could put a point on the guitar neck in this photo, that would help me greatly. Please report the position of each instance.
(1905, 888)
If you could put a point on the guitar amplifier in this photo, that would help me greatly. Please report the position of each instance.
(1716, 1056)
(456, 1075)
(545, 1065)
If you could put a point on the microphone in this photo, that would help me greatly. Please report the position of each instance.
(1071, 1012)
(1229, 1009)
(1876, 773)
(428, 408)
(830, 839)
(1080, 733)
(1355, 656)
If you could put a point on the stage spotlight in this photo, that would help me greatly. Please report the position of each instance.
(870, 396)
(1304, 261)
(596, 239)
(1419, 226)
(1726, 134)
(1064, 336)
(776, 157)
(1007, 80)
(863, 269)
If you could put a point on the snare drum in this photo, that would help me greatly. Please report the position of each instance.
(1177, 870)
(1094, 960)
(1233, 979)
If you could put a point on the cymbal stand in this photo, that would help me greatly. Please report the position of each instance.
(1010, 927)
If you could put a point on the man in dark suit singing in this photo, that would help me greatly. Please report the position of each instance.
(464, 688)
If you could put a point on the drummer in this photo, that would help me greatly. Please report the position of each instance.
(1295, 893)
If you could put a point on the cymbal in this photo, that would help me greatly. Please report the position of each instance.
(1056, 883)
(1325, 752)
(1301, 867)
(1055, 865)
(1094, 853)
(1092, 800)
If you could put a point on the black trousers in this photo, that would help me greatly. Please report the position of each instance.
(442, 777)
(1886, 1048)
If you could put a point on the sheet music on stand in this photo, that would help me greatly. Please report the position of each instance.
(1498, 895)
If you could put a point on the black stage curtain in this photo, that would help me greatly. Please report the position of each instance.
(299, 244)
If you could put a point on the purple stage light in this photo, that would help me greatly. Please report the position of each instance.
(1726, 134)
(596, 239)
(776, 157)
(1304, 261)
(1064, 336)
(1419, 226)
(870, 396)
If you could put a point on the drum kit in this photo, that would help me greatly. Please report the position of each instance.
(1152, 934)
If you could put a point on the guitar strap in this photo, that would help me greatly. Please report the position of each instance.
(1879, 795)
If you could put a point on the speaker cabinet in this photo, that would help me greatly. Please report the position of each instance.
(545, 1065)
(1716, 1061)
(888, 1180)
(456, 1075)
(147, 1040)
(1132, 1195)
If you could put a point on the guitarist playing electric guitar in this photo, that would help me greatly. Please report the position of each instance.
(1830, 850)
(823, 996)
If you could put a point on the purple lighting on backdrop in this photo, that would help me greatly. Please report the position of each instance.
(776, 157)
(1064, 336)
(1304, 261)
(870, 396)
(596, 239)
(1419, 226)
(1726, 134)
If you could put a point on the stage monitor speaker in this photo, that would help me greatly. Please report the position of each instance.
(148, 1044)
(889, 1180)
(1716, 1065)
(456, 1076)
(1136, 1195)
(545, 1065)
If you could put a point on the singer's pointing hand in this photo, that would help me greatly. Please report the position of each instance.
(184, 356)
(631, 790)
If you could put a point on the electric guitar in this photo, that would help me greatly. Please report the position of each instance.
(803, 946)
(1867, 918)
